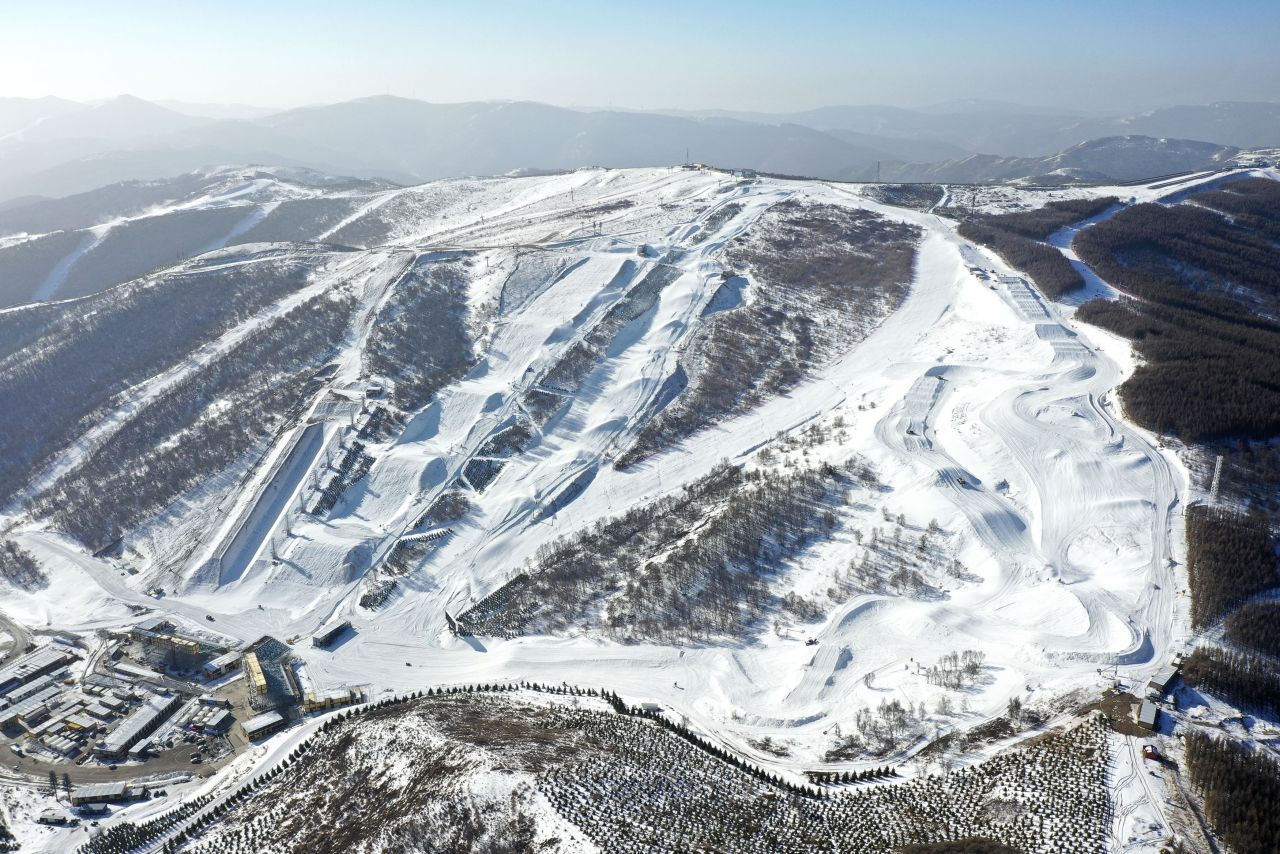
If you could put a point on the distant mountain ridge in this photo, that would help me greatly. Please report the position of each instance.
(411, 141)
(1013, 131)
(18, 114)
(1115, 158)
(53, 147)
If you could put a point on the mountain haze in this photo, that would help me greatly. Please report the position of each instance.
(51, 147)
(1011, 130)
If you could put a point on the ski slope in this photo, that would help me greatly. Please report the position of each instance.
(979, 403)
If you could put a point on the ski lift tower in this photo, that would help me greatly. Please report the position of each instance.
(1217, 481)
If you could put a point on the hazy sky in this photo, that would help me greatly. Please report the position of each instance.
(747, 55)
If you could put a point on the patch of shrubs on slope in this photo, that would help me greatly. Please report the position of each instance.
(1252, 203)
(689, 567)
(1188, 256)
(419, 338)
(1047, 267)
(26, 265)
(1201, 377)
(1039, 223)
(1244, 680)
(1240, 787)
(199, 426)
(1201, 291)
(599, 769)
(1018, 239)
(20, 568)
(1256, 626)
(1048, 797)
(972, 845)
(823, 277)
(8, 842)
(717, 219)
(76, 358)
(400, 214)
(376, 226)
(918, 197)
(139, 246)
(302, 220)
(428, 806)
(1230, 557)
(21, 326)
(450, 506)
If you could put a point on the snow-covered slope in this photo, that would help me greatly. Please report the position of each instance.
(1000, 531)
(977, 405)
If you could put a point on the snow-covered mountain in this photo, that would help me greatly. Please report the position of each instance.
(742, 482)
